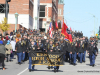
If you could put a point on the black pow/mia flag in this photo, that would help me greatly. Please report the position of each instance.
(44, 58)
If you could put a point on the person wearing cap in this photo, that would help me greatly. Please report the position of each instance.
(40, 45)
(9, 49)
(91, 53)
(73, 50)
(81, 51)
(56, 49)
(62, 46)
(32, 47)
(50, 50)
(85, 48)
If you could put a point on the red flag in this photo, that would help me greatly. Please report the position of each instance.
(69, 35)
(64, 28)
(56, 25)
(66, 32)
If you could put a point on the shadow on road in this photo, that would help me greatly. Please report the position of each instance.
(48, 70)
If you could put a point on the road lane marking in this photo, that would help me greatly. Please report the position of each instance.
(22, 71)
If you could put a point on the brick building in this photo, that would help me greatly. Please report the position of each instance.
(33, 14)
(25, 10)
(48, 13)
(60, 12)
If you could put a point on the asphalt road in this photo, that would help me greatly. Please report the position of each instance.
(12, 68)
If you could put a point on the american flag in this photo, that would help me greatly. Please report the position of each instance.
(50, 30)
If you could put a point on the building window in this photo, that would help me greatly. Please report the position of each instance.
(61, 1)
(59, 11)
(2, 8)
(42, 11)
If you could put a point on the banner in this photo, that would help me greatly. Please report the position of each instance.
(44, 58)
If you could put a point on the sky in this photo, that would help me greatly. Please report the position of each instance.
(78, 14)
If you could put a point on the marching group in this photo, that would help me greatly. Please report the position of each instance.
(23, 42)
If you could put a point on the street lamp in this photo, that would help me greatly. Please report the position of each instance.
(16, 22)
(94, 21)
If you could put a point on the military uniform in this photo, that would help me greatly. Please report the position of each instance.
(81, 51)
(73, 50)
(49, 48)
(85, 48)
(56, 49)
(39, 46)
(31, 48)
(23, 47)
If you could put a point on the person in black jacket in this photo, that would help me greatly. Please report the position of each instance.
(73, 50)
(23, 49)
(67, 51)
(45, 46)
(40, 46)
(77, 48)
(85, 41)
(19, 50)
(70, 53)
(62, 46)
(26, 45)
(81, 51)
(31, 48)
(91, 53)
(49, 50)
(43, 41)
(56, 49)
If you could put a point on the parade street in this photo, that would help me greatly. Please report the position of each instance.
(12, 68)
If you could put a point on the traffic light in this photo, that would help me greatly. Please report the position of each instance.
(8, 0)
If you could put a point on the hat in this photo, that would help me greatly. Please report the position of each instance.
(8, 42)
(57, 42)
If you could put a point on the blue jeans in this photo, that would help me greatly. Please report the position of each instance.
(80, 55)
(74, 57)
(56, 67)
(19, 56)
(92, 59)
(70, 56)
(30, 63)
(23, 55)
(84, 55)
